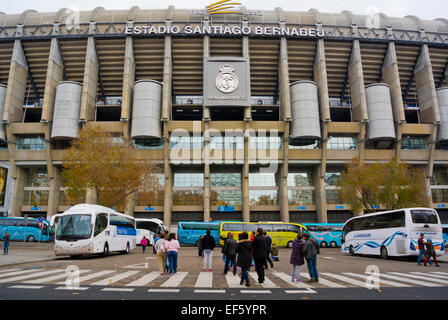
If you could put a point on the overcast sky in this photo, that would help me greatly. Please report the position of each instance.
(394, 8)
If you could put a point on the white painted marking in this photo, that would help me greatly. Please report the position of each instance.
(205, 280)
(330, 258)
(118, 289)
(144, 265)
(209, 291)
(72, 289)
(256, 291)
(34, 275)
(147, 278)
(112, 280)
(300, 291)
(420, 283)
(175, 279)
(151, 258)
(419, 277)
(389, 283)
(324, 282)
(431, 275)
(91, 276)
(8, 270)
(233, 281)
(345, 279)
(26, 287)
(16, 273)
(441, 273)
(49, 279)
(164, 290)
(266, 284)
(287, 278)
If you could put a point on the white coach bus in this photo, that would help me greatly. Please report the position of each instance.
(87, 229)
(392, 233)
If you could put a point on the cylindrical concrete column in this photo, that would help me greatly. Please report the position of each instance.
(66, 110)
(442, 97)
(2, 107)
(379, 107)
(147, 109)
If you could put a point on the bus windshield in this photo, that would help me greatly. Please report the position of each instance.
(424, 216)
(74, 227)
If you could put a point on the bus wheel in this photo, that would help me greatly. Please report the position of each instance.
(30, 239)
(106, 250)
(333, 244)
(383, 253)
(128, 249)
(323, 244)
(351, 250)
(289, 245)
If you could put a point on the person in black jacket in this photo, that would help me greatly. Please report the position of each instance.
(229, 250)
(244, 259)
(259, 249)
(268, 244)
(208, 244)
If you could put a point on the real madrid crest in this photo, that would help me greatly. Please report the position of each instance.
(227, 81)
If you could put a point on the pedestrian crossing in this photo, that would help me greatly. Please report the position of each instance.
(203, 282)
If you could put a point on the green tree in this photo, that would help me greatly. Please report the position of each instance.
(102, 162)
(385, 186)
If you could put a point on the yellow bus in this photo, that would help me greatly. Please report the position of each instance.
(281, 233)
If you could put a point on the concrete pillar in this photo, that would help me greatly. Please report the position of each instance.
(431, 142)
(246, 54)
(91, 196)
(357, 86)
(54, 192)
(15, 93)
(128, 80)
(283, 178)
(19, 185)
(245, 175)
(321, 197)
(426, 88)
(168, 198)
(167, 78)
(206, 159)
(321, 79)
(283, 81)
(130, 204)
(55, 74)
(206, 53)
(90, 83)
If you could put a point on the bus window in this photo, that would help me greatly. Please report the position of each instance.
(280, 228)
(445, 230)
(232, 227)
(265, 227)
(250, 227)
(100, 223)
(294, 228)
(424, 216)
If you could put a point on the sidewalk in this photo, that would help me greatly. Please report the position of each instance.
(31, 253)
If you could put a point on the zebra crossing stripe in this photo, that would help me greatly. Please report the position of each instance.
(420, 277)
(73, 289)
(91, 276)
(287, 278)
(389, 283)
(26, 287)
(345, 279)
(209, 291)
(164, 290)
(112, 280)
(255, 291)
(175, 279)
(233, 281)
(52, 278)
(16, 273)
(266, 284)
(324, 281)
(33, 275)
(441, 273)
(205, 280)
(420, 283)
(431, 275)
(118, 289)
(144, 280)
(8, 270)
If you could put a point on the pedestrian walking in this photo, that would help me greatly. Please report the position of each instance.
(200, 250)
(208, 244)
(171, 247)
(421, 249)
(296, 258)
(260, 250)
(274, 252)
(268, 245)
(144, 243)
(159, 247)
(244, 259)
(310, 251)
(156, 238)
(431, 253)
(6, 238)
(229, 250)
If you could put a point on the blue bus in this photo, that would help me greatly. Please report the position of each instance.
(16, 228)
(445, 235)
(189, 232)
(327, 234)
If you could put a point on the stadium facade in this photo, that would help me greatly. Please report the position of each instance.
(280, 99)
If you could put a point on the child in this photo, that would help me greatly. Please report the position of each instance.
(274, 252)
